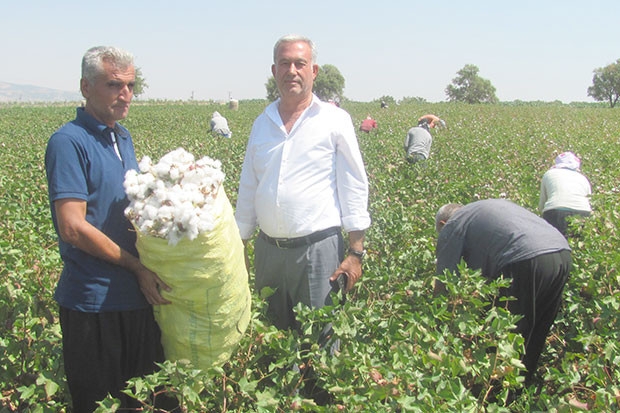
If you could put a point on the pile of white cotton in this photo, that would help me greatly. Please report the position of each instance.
(173, 198)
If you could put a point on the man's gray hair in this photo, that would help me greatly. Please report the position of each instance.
(290, 38)
(92, 62)
(444, 214)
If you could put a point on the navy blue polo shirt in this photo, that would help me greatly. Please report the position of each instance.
(81, 163)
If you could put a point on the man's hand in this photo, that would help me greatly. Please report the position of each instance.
(150, 285)
(352, 267)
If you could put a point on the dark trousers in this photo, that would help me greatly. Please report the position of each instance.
(537, 285)
(103, 350)
(557, 218)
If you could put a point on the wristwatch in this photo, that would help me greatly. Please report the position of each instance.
(359, 254)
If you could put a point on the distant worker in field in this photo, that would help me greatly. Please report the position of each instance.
(499, 237)
(419, 139)
(368, 124)
(219, 125)
(384, 104)
(564, 192)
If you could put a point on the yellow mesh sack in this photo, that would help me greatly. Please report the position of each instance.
(210, 294)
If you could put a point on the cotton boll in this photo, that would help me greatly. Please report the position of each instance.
(174, 173)
(150, 211)
(145, 179)
(164, 228)
(191, 177)
(162, 170)
(145, 164)
(205, 223)
(131, 177)
(130, 214)
(173, 198)
(173, 236)
(196, 197)
(159, 186)
(138, 206)
(133, 192)
(147, 223)
(192, 227)
(166, 212)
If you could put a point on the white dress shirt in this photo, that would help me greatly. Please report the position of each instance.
(294, 184)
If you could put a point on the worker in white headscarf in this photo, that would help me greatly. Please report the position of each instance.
(219, 125)
(564, 192)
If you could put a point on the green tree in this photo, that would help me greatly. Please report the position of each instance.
(272, 89)
(468, 87)
(329, 84)
(387, 99)
(409, 99)
(140, 84)
(606, 84)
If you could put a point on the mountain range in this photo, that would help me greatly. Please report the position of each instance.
(10, 92)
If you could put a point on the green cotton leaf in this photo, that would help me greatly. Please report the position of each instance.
(246, 386)
(108, 405)
(139, 385)
(517, 363)
(267, 398)
(266, 292)
(25, 393)
(51, 388)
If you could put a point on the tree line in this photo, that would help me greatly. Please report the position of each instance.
(468, 86)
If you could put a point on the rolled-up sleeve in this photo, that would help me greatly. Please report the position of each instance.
(245, 211)
(352, 181)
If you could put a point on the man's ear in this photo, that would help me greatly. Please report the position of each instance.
(84, 88)
(441, 225)
(315, 71)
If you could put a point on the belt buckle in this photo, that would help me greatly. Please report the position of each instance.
(279, 240)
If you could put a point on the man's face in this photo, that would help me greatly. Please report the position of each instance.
(108, 98)
(294, 70)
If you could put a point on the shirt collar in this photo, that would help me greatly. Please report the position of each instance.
(98, 128)
(272, 110)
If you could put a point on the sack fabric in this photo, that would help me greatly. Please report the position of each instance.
(210, 295)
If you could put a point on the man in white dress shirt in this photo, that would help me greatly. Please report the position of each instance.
(302, 184)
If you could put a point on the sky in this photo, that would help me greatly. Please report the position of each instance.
(215, 50)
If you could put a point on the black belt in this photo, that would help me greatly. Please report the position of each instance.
(300, 241)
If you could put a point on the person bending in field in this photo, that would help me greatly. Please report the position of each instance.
(564, 192)
(219, 125)
(499, 238)
(368, 124)
(105, 294)
(419, 139)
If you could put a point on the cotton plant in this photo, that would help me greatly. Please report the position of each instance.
(173, 198)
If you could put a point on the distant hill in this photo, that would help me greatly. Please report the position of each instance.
(10, 92)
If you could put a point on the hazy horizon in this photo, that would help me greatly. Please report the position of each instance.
(529, 51)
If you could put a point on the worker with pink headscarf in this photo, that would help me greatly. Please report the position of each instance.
(564, 192)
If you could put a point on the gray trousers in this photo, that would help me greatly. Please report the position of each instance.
(298, 275)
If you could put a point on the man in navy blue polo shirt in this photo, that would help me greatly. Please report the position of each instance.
(105, 294)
